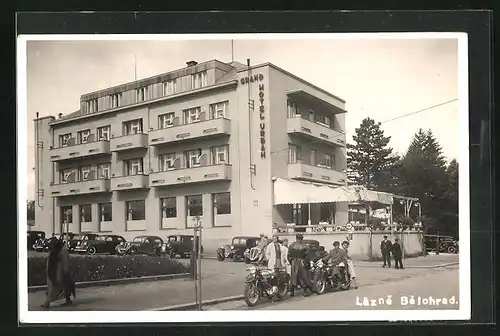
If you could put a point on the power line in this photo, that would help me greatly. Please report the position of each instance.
(382, 122)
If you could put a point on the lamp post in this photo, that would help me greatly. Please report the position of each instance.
(196, 258)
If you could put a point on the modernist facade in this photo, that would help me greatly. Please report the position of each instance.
(206, 140)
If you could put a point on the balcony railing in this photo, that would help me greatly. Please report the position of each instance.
(316, 130)
(74, 151)
(139, 181)
(194, 130)
(130, 141)
(80, 187)
(302, 171)
(202, 173)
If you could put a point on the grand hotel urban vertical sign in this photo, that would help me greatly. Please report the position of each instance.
(262, 110)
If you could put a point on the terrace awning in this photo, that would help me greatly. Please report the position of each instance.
(288, 191)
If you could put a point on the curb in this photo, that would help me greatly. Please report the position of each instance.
(189, 306)
(111, 282)
(423, 266)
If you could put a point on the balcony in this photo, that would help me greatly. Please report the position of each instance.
(129, 182)
(300, 171)
(190, 175)
(80, 150)
(80, 188)
(196, 130)
(131, 141)
(314, 130)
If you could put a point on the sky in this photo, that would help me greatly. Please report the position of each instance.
(378, 78)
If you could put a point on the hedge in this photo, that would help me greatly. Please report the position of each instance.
(106, 267)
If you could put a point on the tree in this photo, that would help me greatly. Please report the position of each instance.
(30, 206)
(369, 157)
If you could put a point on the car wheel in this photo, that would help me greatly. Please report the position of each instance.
(91, 250)
(237, 257)
(452, 249)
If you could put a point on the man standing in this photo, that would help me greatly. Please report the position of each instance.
(298, 252)
(385, 248)
(288, 266)
(276, 258)
(397, 253)
(350, 264)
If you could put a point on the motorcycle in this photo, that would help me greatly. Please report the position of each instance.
(252, 255)
(224, 252)
(325, 277)
(260, 282)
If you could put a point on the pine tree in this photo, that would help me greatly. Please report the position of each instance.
(369, 156)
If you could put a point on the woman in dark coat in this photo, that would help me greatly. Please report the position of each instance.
(298, 252)
(59, 281)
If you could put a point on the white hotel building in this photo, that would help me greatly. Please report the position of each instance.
(211, 135)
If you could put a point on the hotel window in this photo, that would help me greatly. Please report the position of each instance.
(218, 110)
(133, 167)
(136, 210)
(67, 214)
(222, 203)
(220, 154)
(103, 170)
(194, 205)
(169, 207)
(86, 213)
(199, 80)
(292, 109)
(326, 161)
(293, 154)
(85, 173)
(192, 158)
(67, 175)
(311, 116)
(132, 127)
(142, 94)
(192, 115)
(106, 212)
(324, 120)
(115, 100)
(64, 139)
(312, 157)
(169, 87)
(166, 120)
(167, 161)
(83, 136)
(92, 106)
(103, 133)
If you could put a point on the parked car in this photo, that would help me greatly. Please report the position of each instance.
(151, 245)
(42, 245)
(181, 245)
(446, 243)
(80, 241)
(100, 244)
(34, 237)
(313, 246)
(237, 248)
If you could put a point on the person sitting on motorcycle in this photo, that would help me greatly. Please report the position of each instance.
(335, 257)
(321, 253)
(350, 264)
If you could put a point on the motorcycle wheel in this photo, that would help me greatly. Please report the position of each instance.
(345, 285)
(319, 284)
(252, 294)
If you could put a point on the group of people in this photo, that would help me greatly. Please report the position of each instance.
(296, 257)
(387, 247)
(60, 283)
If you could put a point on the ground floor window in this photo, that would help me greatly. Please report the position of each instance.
(300, 215)
(194, 204)
(327, 212)
(222, 203)
(169, 207)
(67, 214)
(136, 210)
(86, 213)
(105, 212)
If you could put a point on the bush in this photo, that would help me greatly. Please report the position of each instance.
(105, 267)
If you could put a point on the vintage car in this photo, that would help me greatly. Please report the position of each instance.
(151, 245)
(179, 245)
(313, 246)
(236, 250)
(100, 244)
(33, 237)
(446, 243)
(42, 245)
(81, 240)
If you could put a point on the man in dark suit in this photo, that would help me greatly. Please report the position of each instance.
(385, 248)
(397, 253)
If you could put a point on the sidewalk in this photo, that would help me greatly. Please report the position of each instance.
(221, 279)
(431, 260)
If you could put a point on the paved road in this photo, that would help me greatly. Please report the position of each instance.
(220, 279)
(437, 283)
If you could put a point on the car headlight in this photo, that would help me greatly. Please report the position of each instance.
(311, 263)
(252, 269)
(232, 247)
